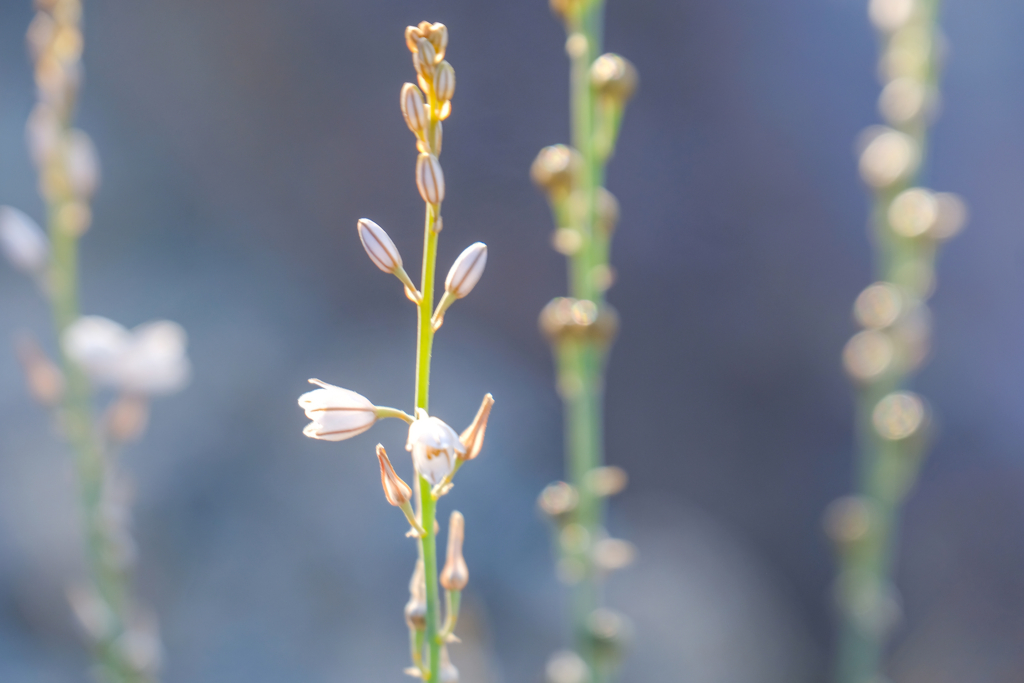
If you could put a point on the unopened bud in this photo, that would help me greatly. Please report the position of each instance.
(555, 170)
(413, 110)
(952, 216)
(379, 247)
(611, 554)
(126, 418)
(606, 481)
(416, 608)
(412, 36)
(83, 164)
(888, 156)
(467, 270)
(430, 179)
(473, 436)
(899, 415)
(565, 318)
(455, 574)
(444, 81)
(609, 631)
(22, 241)
(607, 211)
(424, 59)
(614, 78)
(847, 519)
(44, 379)
(878, 306)
(566, 667)
(558, 499)
(437, 34)
(42, 130)
(396, 491)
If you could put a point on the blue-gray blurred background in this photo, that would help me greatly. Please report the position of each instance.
(241, 140)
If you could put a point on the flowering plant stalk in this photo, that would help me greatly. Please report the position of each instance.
(581, 328)
(93, 351)
(908, 224)
(437, 451)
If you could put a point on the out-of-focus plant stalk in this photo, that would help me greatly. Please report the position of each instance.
(56, 42)
(908, 223)
(582, 326)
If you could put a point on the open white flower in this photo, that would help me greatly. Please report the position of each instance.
(434, 447)
(148, 360)
(337, 414)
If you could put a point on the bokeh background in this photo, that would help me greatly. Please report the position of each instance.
(241, 140)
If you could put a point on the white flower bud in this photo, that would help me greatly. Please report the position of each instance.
(337, 414)
(97, 345)
(83, 164)
(42, 130)
(437, 34)
(413, 109)
(455, 574)
(424, 58)
(22, 240)
(430, 179)
(379, 247)
(466, 270)
(434, 446)
(444, 81)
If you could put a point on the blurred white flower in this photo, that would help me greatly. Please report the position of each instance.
(337, 414)
(434, 446)
(22, 240)
(83, 164)
(148, 360)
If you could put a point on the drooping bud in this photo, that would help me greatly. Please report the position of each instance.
(429, 178)
(413, 110)
(555, 170)
(472, 438)
(22, 241)
(614, 78)
(44, 379)
(444, 81)
(396, 491)
(379, 247)
(434, 446)
(466, 270)
(455, 574)
(416, 608)
(336, 413)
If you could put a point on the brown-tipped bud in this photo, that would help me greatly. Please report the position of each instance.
(126, 418)
(416, 608)
(455, 574)
(473, 437)
(413, 110)
(424, 59)
(555, 170)
(444, 81)
(379, 247)
(557, 500)
(467, 270)
(564, 8)
(437, 34)
(430, 179)
(396, 491)
(412, 36)
(44, 379)
(614, 77)
(566, 318)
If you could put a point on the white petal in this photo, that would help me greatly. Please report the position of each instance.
(337, 424)
(22, 240)
(98, 345)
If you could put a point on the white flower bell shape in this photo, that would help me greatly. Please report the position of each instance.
(337, 414)
(434, 447)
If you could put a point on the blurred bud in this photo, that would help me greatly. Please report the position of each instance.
(91, 612)
(566, 318)
(607, 211)
(155, 362)
(413, 110)
(555, 170)
(609, 632)
(889, 156)
(379, 247)
(83, 166)
(566, 667)
(437, 34)
(396, 491)
(606, 481)
(126, 418)
(908, 53)
(847, 519)
(467, 270)
(140, 643)
(952, 216)
(867, 355)
(336, 413)
(576, 45)
(429, 179)
(416, 608)
(611, 554)
(40, 34)
(446, 110)
(574, 539)
(424, 59)
(903, 100)
(913, 212)
(890, 15)
(444, 81)
(74, 218)
(42, 130)
(878, 306)
(566, 241)
(899, 415)
(472, 438)
(67, 44)
(22, 241)
(449, 674)
(412, 36)
(557, 500)
(434, 446)
(97, 345)
(43, 378)
(455, 574)
(614, 78)
(603, 276)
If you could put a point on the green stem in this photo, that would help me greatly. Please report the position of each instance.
(428, 548)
